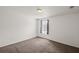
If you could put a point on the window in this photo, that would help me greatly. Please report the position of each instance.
(44, 29)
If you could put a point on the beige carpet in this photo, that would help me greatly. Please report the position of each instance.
(38, 45)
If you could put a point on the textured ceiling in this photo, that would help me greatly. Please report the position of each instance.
(31, 11)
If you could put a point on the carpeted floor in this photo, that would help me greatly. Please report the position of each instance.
(38, 45)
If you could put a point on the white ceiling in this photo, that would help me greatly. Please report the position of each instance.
(31, 11)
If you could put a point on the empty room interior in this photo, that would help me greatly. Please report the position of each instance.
(39, 29)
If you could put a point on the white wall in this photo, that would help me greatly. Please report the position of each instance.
(64, 29)
(15, 26)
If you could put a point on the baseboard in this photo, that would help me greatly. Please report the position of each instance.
(18, 42)
(57, 42)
